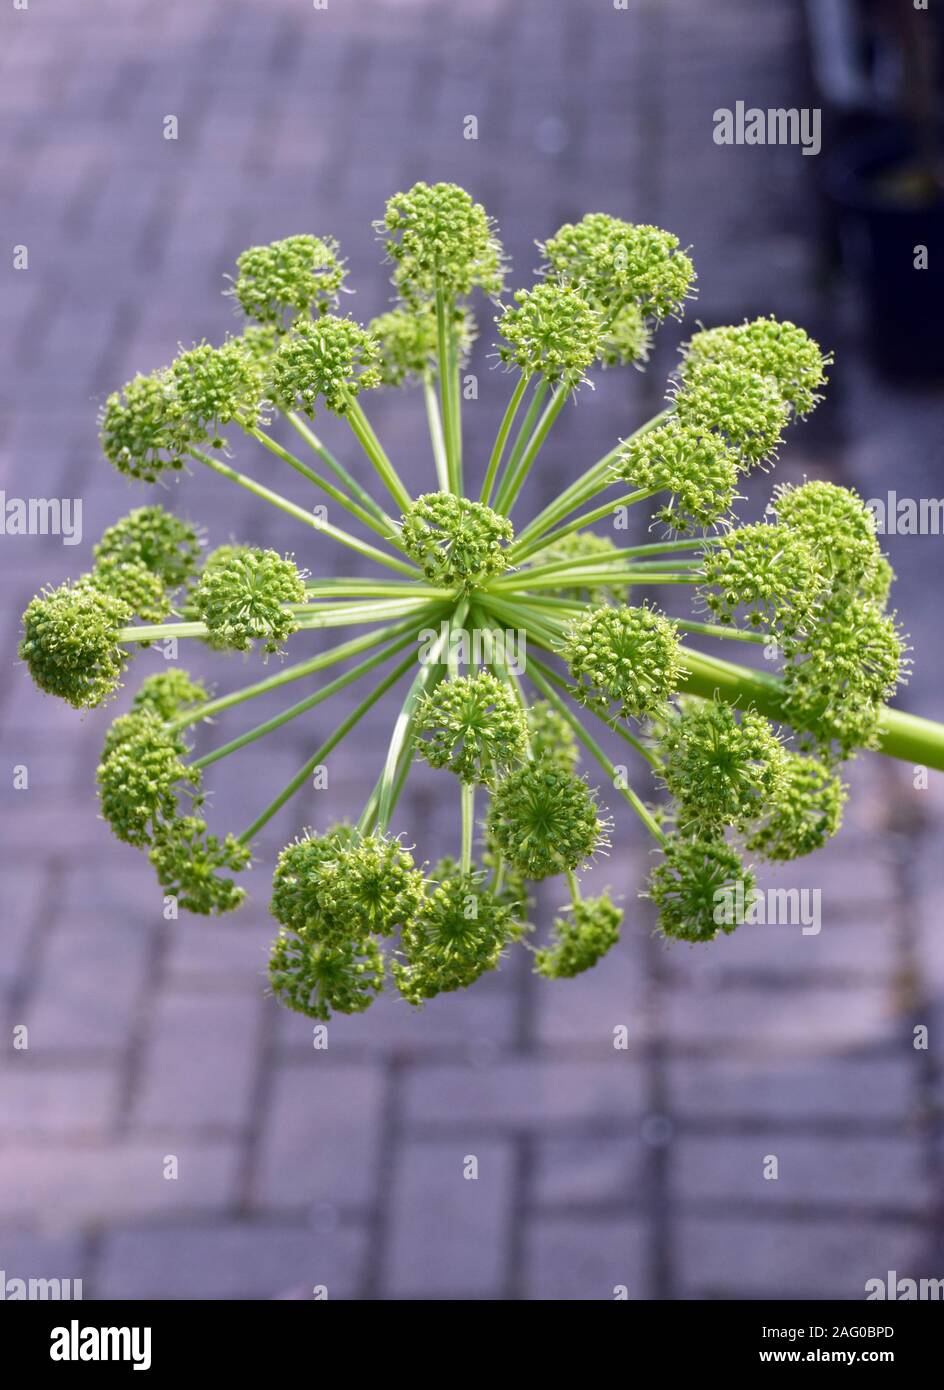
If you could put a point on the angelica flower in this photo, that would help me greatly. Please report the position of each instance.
(241, 597)
(580, 939)
(140, 768)
(439, 239)
(615, 263)
(696, 466)
(545, 820)
(134, 584)
(777, 349)
(743, 407)
(142, 428)
(473, 725)
(627, 655)
(805, 812)
(768, 573)
(70, 642)
(289, 280)
(551, 332)
(625, 338)
(721, 767)
(317, 979)
(455, 541)
(458, 934)
(156, 539)
(837, 525)
(370, 884)
(189, 863)
(334, 359)
(168, 692)
(697, 887)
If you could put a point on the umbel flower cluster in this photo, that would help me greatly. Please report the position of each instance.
(743, 762)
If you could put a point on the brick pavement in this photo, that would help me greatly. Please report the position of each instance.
(148, 1039)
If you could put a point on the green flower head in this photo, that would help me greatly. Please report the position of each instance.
(743, 407)
(133, 584)
(545, 820)
(837, 525)
(289, 279)
(615, 264)
(772, 349)
(294, 889)
(369, 885)
(213, 386)
(407, 341)
(317, 979)
(141, 767)
(166, 693)
(804, 814)
(156, 539)
(770, 574)
(696, 466)
(70, 643)
(334, 359)
(142, 429)
(627, 655)
(721, 767)
(581, 938)
(439, 239)
(698, 887)
(626, 338)
(472, 725)
(458, 934)
(193, 866)
(551, 332)
(455, 541)
(241, 598)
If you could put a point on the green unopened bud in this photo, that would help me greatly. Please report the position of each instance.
(240, 597)
(627, 655)
(289, 279)
(455, 541)
(438, 238)
(334, 360)
(580, 939)
(70, 643)
(615, 264)
(699, 887)
(472, 725)
(551, 332)
(545, 820)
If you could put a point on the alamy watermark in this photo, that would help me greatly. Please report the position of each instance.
(754, 125)
(907, 516)
(892, 1289)
(482, 646)
(42, 516)
(38, 1290)
(773, 907)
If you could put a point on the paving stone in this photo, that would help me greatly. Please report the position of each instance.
(37, 1100)
(741, 1258)
(449, 1232)
(200, 1063)
(28, 1255)
(867, 1089)
(526, 1092)
(237, 1260)
(583, 1258)
(862, 1172)
(115, 1180)
(89, 989)
(319, 1134)
(591, 1170)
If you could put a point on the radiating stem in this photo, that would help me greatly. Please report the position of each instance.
(504, 429)
(525, 431)
(467, 794)
(628, 499)
(284, 505)
(364, 434)
(318, 757)
(434, 420)
(340, 472)
(516, 482)
(303, 706)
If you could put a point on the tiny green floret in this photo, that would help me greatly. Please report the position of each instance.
(289, 280)
(455, 541)
(630, 656)
(615, 264)
(551, 332)
(70, 643)
(241, 598)
(545, 820)
(474, 726)
(699, 887)
(458, 934)
(333, 360)
(439, 239)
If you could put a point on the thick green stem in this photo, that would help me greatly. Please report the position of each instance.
(447, 393)
(504, 429)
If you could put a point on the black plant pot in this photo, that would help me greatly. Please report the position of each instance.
(880, 227)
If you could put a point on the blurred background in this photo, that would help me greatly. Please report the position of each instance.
(342, 1168)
